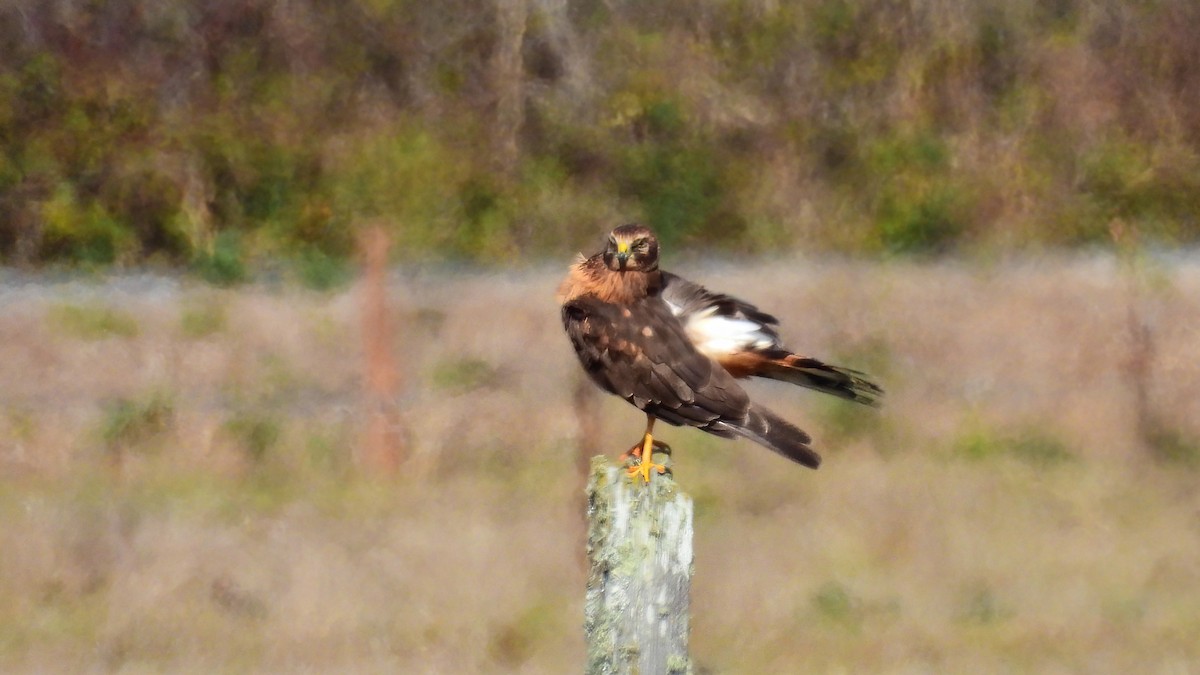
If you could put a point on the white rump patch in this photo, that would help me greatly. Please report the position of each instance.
(716, 335)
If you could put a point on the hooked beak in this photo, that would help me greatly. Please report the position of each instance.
(622, 254)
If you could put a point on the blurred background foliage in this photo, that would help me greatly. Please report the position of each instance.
(211, 135)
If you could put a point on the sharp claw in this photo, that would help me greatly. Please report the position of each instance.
(643, 469)
(645, 464)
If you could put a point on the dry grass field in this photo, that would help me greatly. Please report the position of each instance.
(178, 491)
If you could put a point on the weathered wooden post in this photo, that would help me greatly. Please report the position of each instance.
(640, 570)
(380, 449)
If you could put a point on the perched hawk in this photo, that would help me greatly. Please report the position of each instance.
(674, 348)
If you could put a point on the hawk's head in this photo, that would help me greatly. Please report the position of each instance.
(631, 247)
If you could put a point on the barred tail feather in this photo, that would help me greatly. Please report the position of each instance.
(808, 372)
(772, 431)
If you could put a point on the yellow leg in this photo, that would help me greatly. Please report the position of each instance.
(645, 454)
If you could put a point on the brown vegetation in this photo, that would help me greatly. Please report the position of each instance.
(998, 514)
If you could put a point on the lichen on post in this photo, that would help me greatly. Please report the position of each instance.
(640, 569)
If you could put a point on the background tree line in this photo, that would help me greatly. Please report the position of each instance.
(209, 134)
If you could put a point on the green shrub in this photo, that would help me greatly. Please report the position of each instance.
(321, 271)
(920, 206)
(407, 179)
(255, 432)
(466, 374)
(84, 233)
(868, 127)
(148, 203)
(485, 221)
(1173, 446)
(845, 421)
(677, 181)
(1030, 446)
(203, 319)
(129, 423)
(93, 322)
(920, 223)
(835, 604)
(1156, 188)
(225, 264)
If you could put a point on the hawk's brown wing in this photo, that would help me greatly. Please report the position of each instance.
(640, 353)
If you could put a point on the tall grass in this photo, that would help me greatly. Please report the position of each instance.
(1000, 512)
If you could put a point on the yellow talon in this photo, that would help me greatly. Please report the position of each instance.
(644, 452)
(645, 455)
(643, 469)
